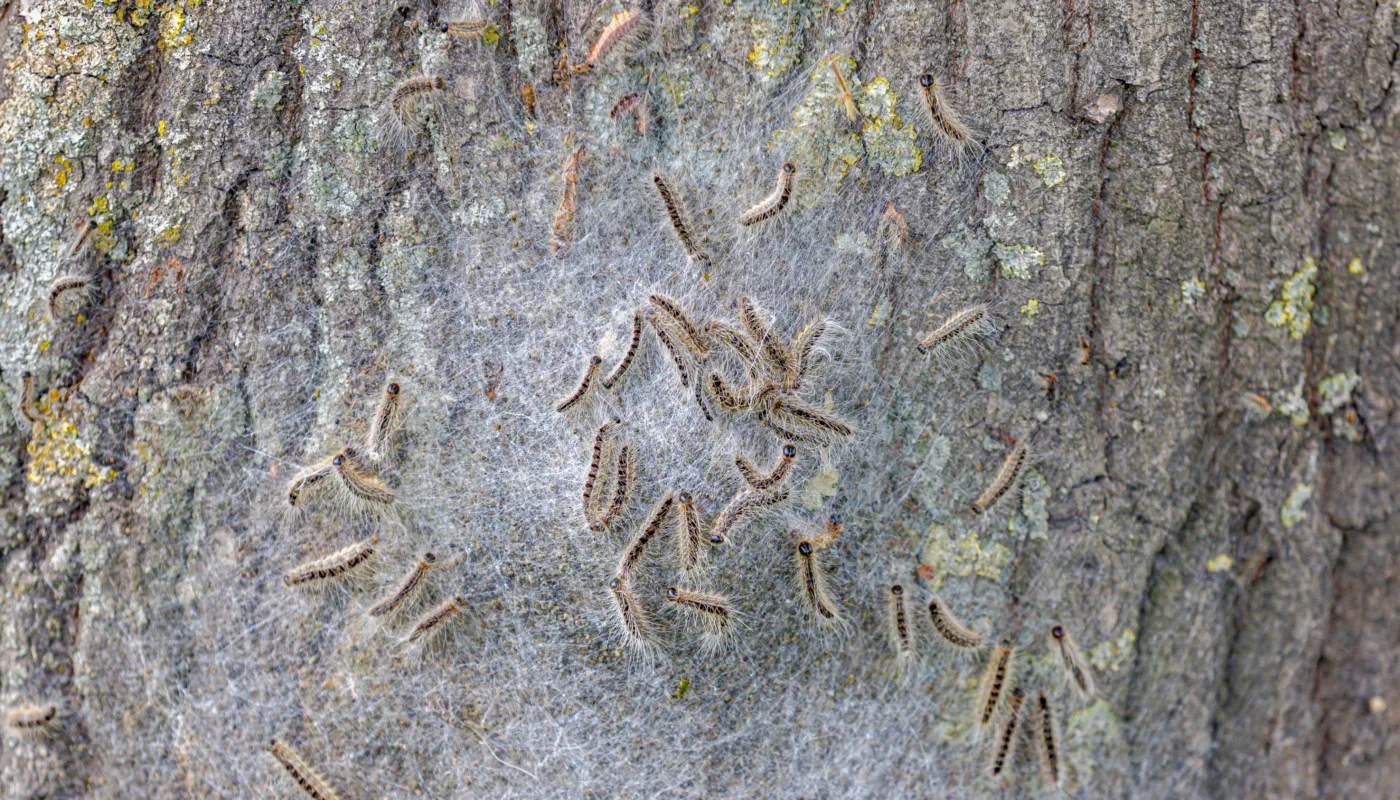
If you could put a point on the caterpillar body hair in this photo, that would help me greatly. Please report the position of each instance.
(738, 341)
(307, 778)
(1007, 479)
(829, 534)
(527, 98)
(740, 506)
(1047, 743)
(621, 369)
(622, 488)
(409, 97)
(307, 478)
(958, 332)
(813, 584)
(768, 207)
(637, 550)
(465, 29)
(951, 632)
(397, 599)
(710, 612)
(719, 390)
(901, 629)
(361, 486)
(33, 721)
(1075, 669)
(892, 235)
(388, 416)
(1005, 750)
(432, 624)
(27, 406)
(772, 352)
(632, 620)
(991, 690)
(563, 229)
(676, 317)
(945, 118)
(673, 210)
(774, 477)
(688, 548)
(797, 423)
(600, 442)
(677, 357)
(802, 348)
(624, 105)
(584, 384)
(66, 291)
(624, 28)
(322, 572)
(81, 240)
(700, 398)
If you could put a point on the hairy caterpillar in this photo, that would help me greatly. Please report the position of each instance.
(589, 373)
(720, 392)
(1005, 751)
(1076, 669)
(771, 350)
(958, 332)
(27, 406)
(81, 240)
(688, 552)
(310, 782)
(692, 250)
(634, 624)
(385, 423)
(563, 230)
(710, 612)
(892, 235)
(745, 501)
(465, 29)
(623, 28)
(63, 289)
(690, 335)
(410, 96)
(33, 722)
(743, 346)
(770, 206)
(812, 584)
(700, 398)
(638, 548)
(901, 632)
(1006, 479)
(796, 422)
(994, 679)
(362, 487)
(775, 476)
(410, 584)
(431, 626)
(945, 119)
(624, 106)
(802, 348)
(599, 442)
(676, 357)
(321, 572)
(951, 632)
(308, 477)
(1046, 741)
(626, 473)
(621, 368)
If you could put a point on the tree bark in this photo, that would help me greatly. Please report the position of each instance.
(1182, 216)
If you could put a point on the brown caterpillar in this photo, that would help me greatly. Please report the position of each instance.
(361, 486)
(745, 501)
(621, 368)
(994, 679)
(634, 624)
(812, 582)
(465, 29)
(771, 351)
(1076, 669)
(589, 373)
(396, 599)
(638, 548)
(1005, 751)
(407, 99)
(63, 288)
(624, 27)
(387, 418)
(604, 434)
(431, 626)
(563, 230)
(958, 333)
(320, 573)
(626, 473)
(27, 406)
(1006, 479)
(769, 206)
(624, 106)
(1049, 752)
(952, 632)
(33, 722)
(676, 357)
(700, 398)
(527, 98)
(945, 119)
(310, 782)
(710, 612)
(306, 478)
(796, 422)
(81, 240)
(774, 477)
(743, 346)
(720, 392)
(692, 250)
(688, 551)
(801, 357)
(689, 334)
(901, 632)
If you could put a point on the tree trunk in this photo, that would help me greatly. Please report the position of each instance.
(1182, 218)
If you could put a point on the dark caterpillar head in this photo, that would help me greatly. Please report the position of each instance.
(393, 388)
(1058, 632)
(805, 548)
(685, 498)
(672, 593)
(789, 451)
(595, 360)
(789, 168)
(438, 82)
(430, 558)
(925, 80)
(897, 590)
(615, 584)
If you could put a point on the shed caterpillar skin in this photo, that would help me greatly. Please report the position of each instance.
(675, 316)
(901, 630)
(812, 584)
(637, 550)
(711, 612)
(633, 622)
(774, 477)
(563, 230)
(688, 549)
(673, 210)
(1046, 740)
(802, 347)
(829, 534)
(848, 101)
(66, 291)
(407, 100)
(1075, 669)
(624, 106)
(621, 368)
(81, 241)
(1005, 751)
(407, 587)
(771, 351)
(589, 373)
(310, 782)
(626, 476)
(796, 422)
(769, 206)
(1006, 479)
(624, 28)
(431, 626)
(599, 442)
(746, 501)
(307, 478)
(892, 236)
(945, 119)
(362, 487)
(951, 632)
(465, 29)
(995, 678)
(958, 333)
(322, 572)
(33, 722)
(27, 406)
(676, 357)
(527, 98)
(385, 423)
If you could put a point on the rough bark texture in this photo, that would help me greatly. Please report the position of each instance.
(1181, 204)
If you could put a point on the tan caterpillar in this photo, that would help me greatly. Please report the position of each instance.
(320, 573)
(1004, 482)
(310, 782)
(407, 587)
(769, 206)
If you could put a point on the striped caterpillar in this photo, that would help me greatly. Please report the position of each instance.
(951, 632)
(81, 240)
(958, 334)
(589, 373)
(773, 353)
(409, 99)
(465, 29)
(795, 422)
(361, 487)
(812, 584)
(676, 319)
(774, 477)
(900, 630)
(692, 249)
(746, 501)
(431, 626)
(621, 368)
(688, 550)
(677, 357)
(633, 103)
(67, 294)
(407, 587)
(1005, 481)
(622, 30)
(600, 442)
(564, 218)
(626, 476)
(719, 390)
(802, 347)
(945, 119)
(634, 553)
(829, 534)
(1005, 751)
(33, 722)
(711, 612)
(994, 679)
(385, 423)
(320, 573)
(1075, 669)
(27, 405)
(700, 397)
(634, 624)
(769, 206)
(310, 782)
(307, 478)
(1046, 741)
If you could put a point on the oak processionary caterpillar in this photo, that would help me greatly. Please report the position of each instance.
(432, 624)
(622, 29)
(33, 722)
(945, 119)
(307, 478)
(63, 289)
(27, 406)
(774, 477)
(994, 680)
(951, 632)
(589, 373)
(812, 584)
(387, 418)
(680, 322)
(361, 487)
(310, 782)
(1005, 751)
(407, 101)
(1005, 481)
(600, 442)
(958, 333)
(1046, 741)
(673, 210)
(407, 587)
(321, 572)
(769, 206)
(710, 612)
(688, 550)
(621, 368)
(901, 631)
(637, 549)
(563, 230)
(740, 505)
(626, 473)
(633, 622)
(1075, 668)
(465, 29)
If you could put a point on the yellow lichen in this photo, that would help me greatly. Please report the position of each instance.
(1051, 169)
(1295, 308)
(944, 554)
(1220, 563)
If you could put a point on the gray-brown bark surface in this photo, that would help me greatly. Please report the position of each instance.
(1181, 205)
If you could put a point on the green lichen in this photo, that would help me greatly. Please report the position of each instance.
(1337, 140)
(989, 377)
(996, 188)
(1292, 512)
(1019, 260)
(1356, 267)
(1291, 403)
(1336, 391)
(1031, 308)
(1220, 563)
(1050, 169)
(1192, 289)
(267, 93)
(1295, 308)
(972, 251)
(889, 144)
(777, 29)
(1089, 732)
(1110, 656)
(57, 453)
(527, 34)
(947, 554)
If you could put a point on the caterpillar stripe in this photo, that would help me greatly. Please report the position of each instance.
(589, 373)
(951, 631)
(769, 206)
(693, 250)
(1004, 481)
(621, 368)
(310, 782)
(410, 584)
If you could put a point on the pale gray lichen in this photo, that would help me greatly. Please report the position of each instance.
(1192, 289)
(1336, 391)
(989, 377)
(527, 34)
(1292, 512)
(972, 250)
(996, 188)
(1291, 403)
(1019, 261)
(267, 93)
